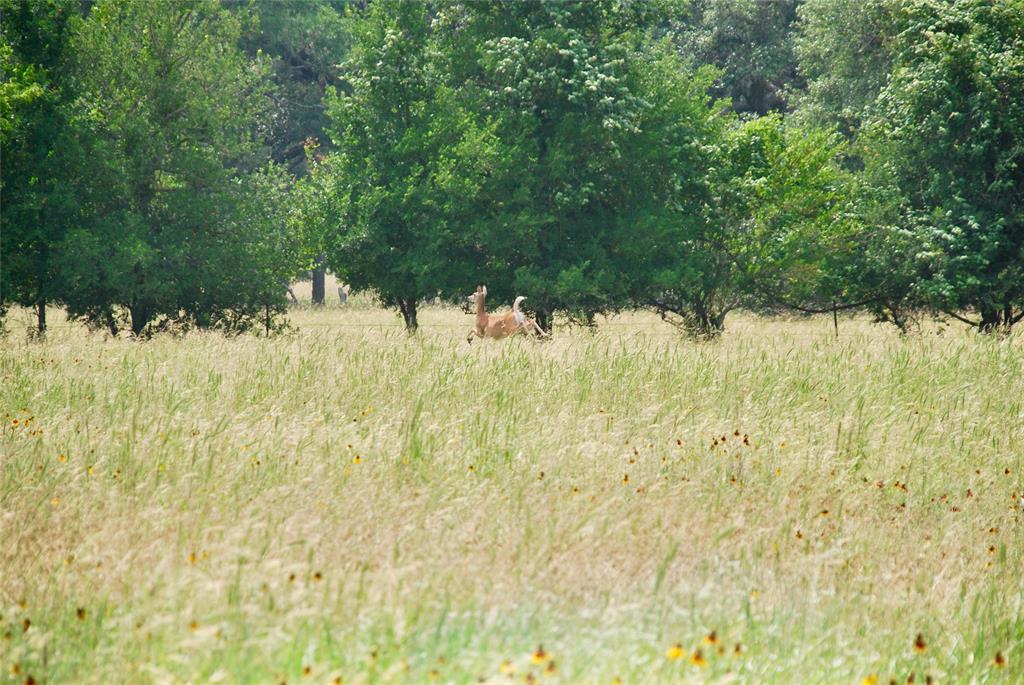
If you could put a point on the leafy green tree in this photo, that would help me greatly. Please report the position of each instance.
(564, 84)
(306, 42)
(784, 186)
(845, 50)
(769, 230)
(174, 108)
(669, 252)
(948, 129)
(37, 178)
(409, 157)
(751, 42)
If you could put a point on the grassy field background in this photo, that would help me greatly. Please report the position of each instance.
(346, 504)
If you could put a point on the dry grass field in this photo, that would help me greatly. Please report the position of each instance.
(345, 504)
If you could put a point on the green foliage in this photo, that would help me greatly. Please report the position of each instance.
(845, 52)
(305, 42)
(410, 158)
(948, 130)
(579, 153)
(751, 42)
(771, 230)
(566, 82)
(38, 206)
(173, 107)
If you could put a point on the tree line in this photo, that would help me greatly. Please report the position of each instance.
(175, 165)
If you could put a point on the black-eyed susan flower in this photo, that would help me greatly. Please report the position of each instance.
(625, 479)
(551, 668)
(80, 613)
(999, 661)
(698, 660)
(869, 680)
(710, 639)
(675, 652)
(506, 668)
(919, 643)
(434, 674)
(539, 656)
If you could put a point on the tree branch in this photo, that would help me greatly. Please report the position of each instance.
(960, 318)
(835, 308)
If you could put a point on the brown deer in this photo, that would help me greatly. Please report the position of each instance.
(497, 327)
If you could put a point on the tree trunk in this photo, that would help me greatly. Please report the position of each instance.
(41, 317)
(990, 320)
(707, 324)
(408, 309)
(41, 283)
(140, 317)
(544, 318)
(319, 289)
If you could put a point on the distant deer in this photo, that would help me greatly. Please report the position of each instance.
(488, 326)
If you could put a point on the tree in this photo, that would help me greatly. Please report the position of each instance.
(766, 225)
(751, 43)
(174, 108)
(670, 252)
(948, 130)
(306, 41)
(410, 155)
(845, 53)
(37, 179)
(563, 81)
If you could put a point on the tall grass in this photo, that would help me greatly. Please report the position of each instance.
(347, 502)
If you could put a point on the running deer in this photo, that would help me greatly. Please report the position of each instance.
(488, 326)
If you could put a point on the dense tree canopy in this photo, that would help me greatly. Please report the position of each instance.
(751, 42)
(168, 165)
(38, 206)
(845, 52)
(949, 129)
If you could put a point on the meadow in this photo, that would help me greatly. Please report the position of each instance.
(343, 503)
